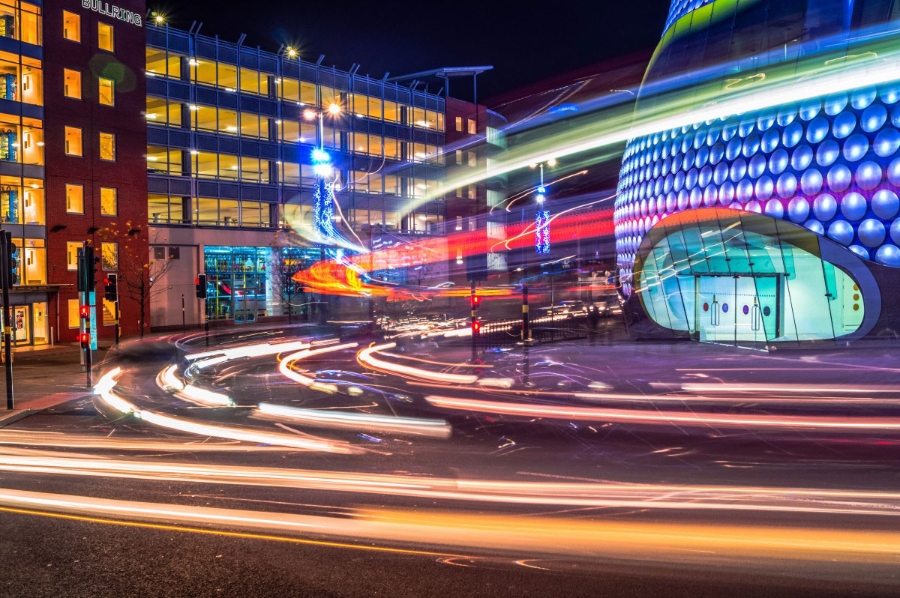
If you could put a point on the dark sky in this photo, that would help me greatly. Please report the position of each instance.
(525, 42)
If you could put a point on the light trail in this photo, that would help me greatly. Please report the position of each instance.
(168, 381)
(366, 359)
(600, 494)
(631, 416)
(432, 428)
(285, 366)
(658, 541)
(104, 389)
(744, 387)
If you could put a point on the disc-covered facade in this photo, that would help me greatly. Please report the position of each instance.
(788, 217)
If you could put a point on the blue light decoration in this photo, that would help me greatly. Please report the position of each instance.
(542, 231)
(323, 208)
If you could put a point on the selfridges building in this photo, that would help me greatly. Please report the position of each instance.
(759, 205)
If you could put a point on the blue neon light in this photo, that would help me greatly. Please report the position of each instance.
(542, 231)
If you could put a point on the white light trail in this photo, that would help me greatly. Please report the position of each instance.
(434, 428)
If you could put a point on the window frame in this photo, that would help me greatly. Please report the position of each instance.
(80, 95)
(77, 18)
(115, 198)
(74, 185)
(112, 37)
(103, 264)
(100, 147)
(66, 130)
(112, 88)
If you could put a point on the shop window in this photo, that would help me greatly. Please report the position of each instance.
(72, 83)
(73, 141)
(109, 256)
(72, 248)
(105, 37)
(108, 147)
(71, 26)
(74, 198)
(109, 201)
(107, 91)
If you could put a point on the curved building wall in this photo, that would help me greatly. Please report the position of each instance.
(829, 164)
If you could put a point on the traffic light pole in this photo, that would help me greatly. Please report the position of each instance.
(474, 321)
(6, 240)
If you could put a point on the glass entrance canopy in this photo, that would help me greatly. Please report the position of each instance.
(744, 279)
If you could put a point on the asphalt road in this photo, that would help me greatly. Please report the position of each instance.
(95, 502)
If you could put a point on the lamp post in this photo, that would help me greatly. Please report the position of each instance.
(323, 195)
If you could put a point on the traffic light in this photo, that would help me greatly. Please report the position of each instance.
(111, 288)
(200, 283)
(85, 339)
(12, 254)
(476, 327)
(85, 312)
(87, 270)
(476, 301)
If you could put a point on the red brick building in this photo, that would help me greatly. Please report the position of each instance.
(95, 173)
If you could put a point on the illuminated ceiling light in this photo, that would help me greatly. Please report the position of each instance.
(194, 152)
(194, 107)
(35, 186)
(194, 62)
(152, 158)
(421, 186)
(334, 108)
(231, 128)
(309, 114)
(277, 81)
(278, 122)
(151, 116)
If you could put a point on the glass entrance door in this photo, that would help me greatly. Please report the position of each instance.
(737, 310)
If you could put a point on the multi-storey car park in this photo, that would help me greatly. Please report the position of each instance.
(776, 223)
(231, 132)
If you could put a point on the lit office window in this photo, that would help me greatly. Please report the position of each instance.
(109, 201)
(109, 256)
(473, 129)
(107, 91)
(105, 37)
(459, 127)
(72, 248)
(74, 315)
(71, 26)
(73, 141)
(72, 83)
(108, 147)
(392, 112)
(74, 198)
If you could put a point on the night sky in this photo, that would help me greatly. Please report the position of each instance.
(526, 43)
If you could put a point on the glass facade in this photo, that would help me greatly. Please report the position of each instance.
(228, 124)
(743, 279)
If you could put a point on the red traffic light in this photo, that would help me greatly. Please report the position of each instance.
(85, 339)
(476, 326)
(196, 281)
(476, 300)
(84, 311)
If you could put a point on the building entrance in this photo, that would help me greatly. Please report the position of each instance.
(737, 310)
